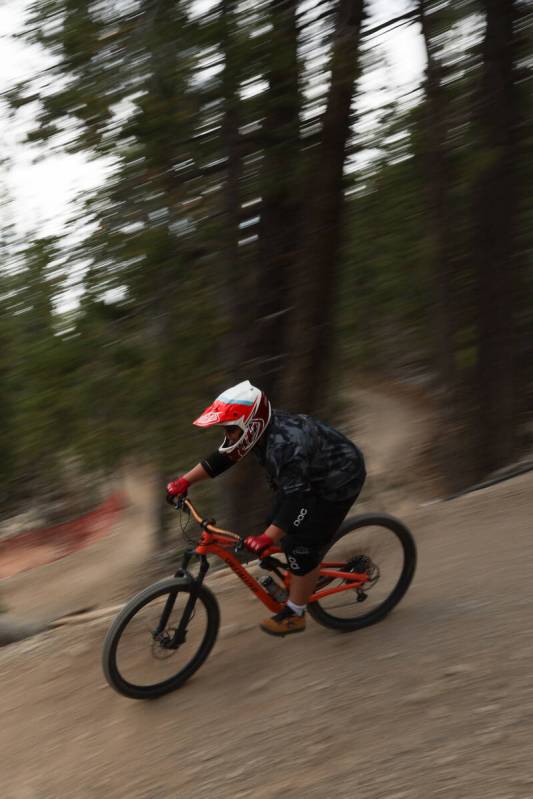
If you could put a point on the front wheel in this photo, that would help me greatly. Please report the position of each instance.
(384, 548)
(141, 658)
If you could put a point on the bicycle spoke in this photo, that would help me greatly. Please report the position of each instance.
(143, 659)
(383, 557)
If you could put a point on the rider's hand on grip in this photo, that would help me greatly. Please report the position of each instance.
(177, 488)
(258, 543)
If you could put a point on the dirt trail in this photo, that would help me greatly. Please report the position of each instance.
(436, 701)
(98, 574)
(394, 426)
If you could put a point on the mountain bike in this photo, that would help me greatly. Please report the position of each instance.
(162, 636)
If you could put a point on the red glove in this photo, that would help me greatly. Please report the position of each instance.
(258, 543)
(176, 488)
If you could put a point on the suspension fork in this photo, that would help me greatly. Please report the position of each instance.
(169, 604)
(195, 583)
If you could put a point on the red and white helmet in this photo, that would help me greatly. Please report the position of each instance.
(241, 406)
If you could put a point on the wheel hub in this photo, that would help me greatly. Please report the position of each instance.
(363, 564)
(165, 644)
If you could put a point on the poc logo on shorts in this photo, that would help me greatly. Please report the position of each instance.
(301, 516)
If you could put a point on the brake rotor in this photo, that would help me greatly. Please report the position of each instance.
(159, 650)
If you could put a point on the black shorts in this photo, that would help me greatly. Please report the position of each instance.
(318, 522)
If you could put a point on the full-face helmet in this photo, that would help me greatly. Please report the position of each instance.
(243, 406)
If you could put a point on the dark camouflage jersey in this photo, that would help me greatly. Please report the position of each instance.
(301, 454)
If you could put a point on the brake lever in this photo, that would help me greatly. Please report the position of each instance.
(180, 504)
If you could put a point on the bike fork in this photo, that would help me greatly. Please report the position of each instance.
(196, 583)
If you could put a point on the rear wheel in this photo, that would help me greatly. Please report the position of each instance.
(384, 548)
(140, 660)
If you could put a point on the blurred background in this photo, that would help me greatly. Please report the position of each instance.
(332, 199)
(310, 195)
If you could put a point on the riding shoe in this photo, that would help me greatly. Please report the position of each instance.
(284, 623)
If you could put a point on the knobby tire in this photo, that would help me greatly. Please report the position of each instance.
(168, 586)
(406, 540)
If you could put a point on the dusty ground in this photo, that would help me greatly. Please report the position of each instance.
(437, 700)
(97, 575)
(394, 426)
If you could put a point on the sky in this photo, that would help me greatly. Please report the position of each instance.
(43, 191)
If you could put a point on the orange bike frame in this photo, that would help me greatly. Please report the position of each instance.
(219, 542)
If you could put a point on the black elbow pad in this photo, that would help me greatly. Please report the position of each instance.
(216, 463)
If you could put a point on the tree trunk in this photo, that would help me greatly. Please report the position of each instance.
(262, 347)
(159, 317)
(494, 208)
(231, 287)
(258, 351)
(268, 355)
(313, 292)
(443, 310)
(437, 168)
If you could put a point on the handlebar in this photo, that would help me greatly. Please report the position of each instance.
(185, 504)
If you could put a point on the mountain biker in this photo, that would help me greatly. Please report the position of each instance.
(315, 471)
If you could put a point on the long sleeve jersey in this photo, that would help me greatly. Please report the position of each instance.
(301, 455)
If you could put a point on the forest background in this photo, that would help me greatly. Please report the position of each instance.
(239, 233)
